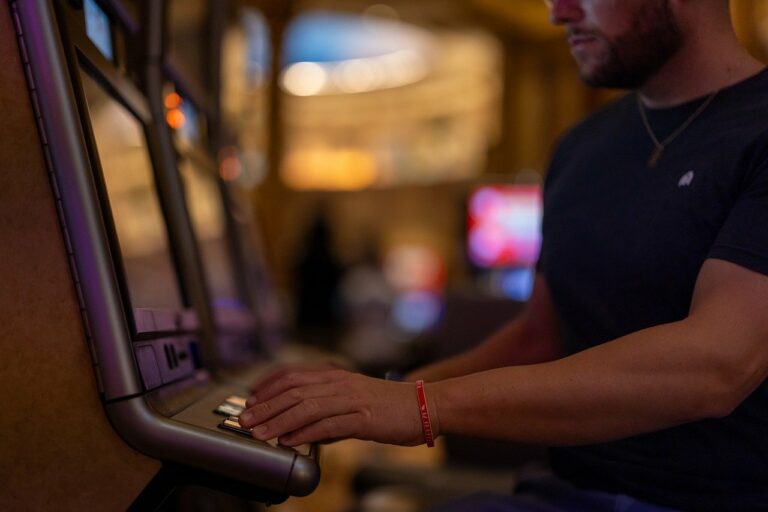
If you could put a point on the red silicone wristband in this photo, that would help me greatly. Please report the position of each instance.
(426, 424)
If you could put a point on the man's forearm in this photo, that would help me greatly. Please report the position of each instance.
(700, 367)
(649, 380)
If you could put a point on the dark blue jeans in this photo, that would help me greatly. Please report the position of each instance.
(549, 494)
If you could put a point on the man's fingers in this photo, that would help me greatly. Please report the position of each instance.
(260, 412)
(330, 428)
(289, 380)
(306, 412)
(282, 372)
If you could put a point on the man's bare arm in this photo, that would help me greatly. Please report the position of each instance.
(700, 367)
(531, 337)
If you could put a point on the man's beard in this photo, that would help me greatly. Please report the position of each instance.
(637, 55)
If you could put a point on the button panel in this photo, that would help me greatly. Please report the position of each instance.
(231, 423)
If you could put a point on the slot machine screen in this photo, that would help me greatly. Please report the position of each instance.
(138, 219)
(207, 213)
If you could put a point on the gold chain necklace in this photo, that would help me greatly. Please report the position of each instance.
(661, 145)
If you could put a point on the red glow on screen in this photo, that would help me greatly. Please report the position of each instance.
(504, 225)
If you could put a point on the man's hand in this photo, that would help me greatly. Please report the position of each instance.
(302, 406)
(286, 369)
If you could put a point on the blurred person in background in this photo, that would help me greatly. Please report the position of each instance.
(642, 355)
(318, 273)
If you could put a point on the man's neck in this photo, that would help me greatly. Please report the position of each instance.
(705, 64)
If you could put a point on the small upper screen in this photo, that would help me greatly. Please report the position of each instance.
(504, 226)
(205, 203)
(190, 130)
(98, 29)
(141, 229)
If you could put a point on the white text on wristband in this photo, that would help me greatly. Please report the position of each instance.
(426, 424)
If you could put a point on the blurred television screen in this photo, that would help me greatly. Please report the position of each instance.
(504, 226)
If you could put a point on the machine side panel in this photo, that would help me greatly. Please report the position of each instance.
(56, 444)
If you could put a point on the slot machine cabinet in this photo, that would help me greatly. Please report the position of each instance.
(57, 448)
(95, 144)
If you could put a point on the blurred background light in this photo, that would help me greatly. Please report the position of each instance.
(321, 36)
(504, 225)
(417, 311)
(304, 78)
(517, 284)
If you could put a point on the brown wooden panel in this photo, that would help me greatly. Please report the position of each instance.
(57, 449)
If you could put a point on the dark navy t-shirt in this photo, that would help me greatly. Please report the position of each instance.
(623, 245)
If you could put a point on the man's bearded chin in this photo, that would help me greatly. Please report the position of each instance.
(634, 57)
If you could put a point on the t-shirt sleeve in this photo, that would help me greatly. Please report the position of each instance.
(743, 239)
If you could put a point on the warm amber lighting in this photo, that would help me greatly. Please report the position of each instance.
(172, 100)
(414, 266)
(175, 118)
(394, 69)
(426, 114)
(382, 11)
(330, 169)
(358, 75)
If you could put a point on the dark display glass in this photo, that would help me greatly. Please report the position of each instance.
(207, 213)
(128, 175)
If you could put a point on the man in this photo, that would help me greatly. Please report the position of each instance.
(643, 352)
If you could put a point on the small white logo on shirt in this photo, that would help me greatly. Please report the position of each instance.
(685, 179)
